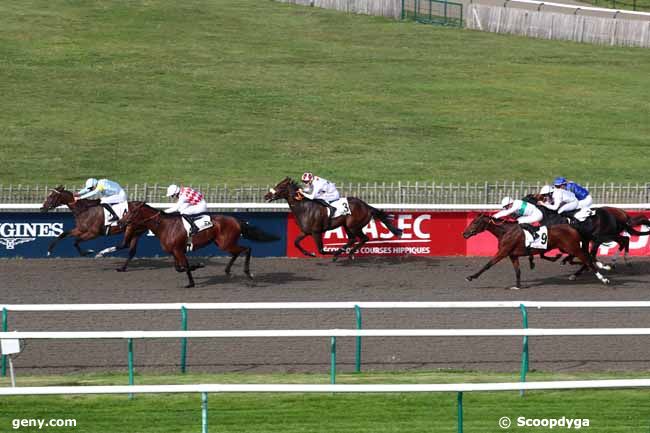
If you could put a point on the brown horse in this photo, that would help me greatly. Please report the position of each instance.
(169, 229)
(89, 223)
(512, 244)
(624, 219)
(313, 220)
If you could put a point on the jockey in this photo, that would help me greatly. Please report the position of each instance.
(561, 199)
(190, 202)
(581, 193)
(320, 190)
(107, 191)
(525, 212)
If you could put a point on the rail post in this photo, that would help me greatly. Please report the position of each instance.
(130, 346)
(333, 360)
(357, 358)
(204, 412)
(5, 315)
(524, 350)
(183, 340)
(460, 412)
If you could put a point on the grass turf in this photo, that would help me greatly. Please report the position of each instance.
(608, 411)
(214, 91)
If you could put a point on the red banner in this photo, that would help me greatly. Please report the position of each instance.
(428, 234)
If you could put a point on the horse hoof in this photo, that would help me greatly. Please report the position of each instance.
(605, 281)
(515, 288)
(468, 278)
(49, 253)
(572, 278)
(335, 258)
(189, 286)
(249, 275)
(121, 269)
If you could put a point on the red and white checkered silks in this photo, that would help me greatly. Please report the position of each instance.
(191, 196)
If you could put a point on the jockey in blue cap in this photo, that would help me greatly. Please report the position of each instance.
(581, 193)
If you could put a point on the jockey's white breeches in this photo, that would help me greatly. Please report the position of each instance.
(585, 202)
(200, 207)
(535, 217)
(114, 199)
(329, 196)
(568, 207)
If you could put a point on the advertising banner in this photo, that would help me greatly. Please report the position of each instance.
(28, 234)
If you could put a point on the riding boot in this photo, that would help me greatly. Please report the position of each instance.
(530, 228)
(110, 210)
(193, 228)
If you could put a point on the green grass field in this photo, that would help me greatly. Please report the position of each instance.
(608, 411)
(216, 91)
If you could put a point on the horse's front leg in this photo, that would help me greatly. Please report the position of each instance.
(494, 260)
(133, 244)
(515, 264)
(299, 239)
(182, 265)
(73, 232)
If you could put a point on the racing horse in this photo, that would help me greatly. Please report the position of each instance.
(168, 228)
(512, 244)
(606, 225)
(312, 219)
(89, 223)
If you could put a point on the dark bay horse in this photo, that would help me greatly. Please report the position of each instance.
(89, 222)
(313, 220)
(169, 229)
(511, 244)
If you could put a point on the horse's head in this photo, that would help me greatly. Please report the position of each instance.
(285, 189)
(57, 197)
(479, 224)
(137, 215)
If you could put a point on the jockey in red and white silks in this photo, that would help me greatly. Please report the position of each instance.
(190, 201)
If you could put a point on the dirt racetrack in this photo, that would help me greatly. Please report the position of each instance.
(367, 279)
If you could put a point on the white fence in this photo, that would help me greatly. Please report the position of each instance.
(383, 8)
(551, 25)
(204, 389)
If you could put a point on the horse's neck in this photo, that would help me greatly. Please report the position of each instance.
(499, 230)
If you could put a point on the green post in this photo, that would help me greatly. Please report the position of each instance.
(460, 412)
(333, 360)
(183, 340)
(524, 350)
(5, 313)
(403, 15)
(204, 412)
(130, 344)
(357, 366)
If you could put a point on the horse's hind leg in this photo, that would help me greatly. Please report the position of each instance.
(318, 238)
(297, 241)
(351, 240)
(133, 244)
(587, 262)
(359, 244)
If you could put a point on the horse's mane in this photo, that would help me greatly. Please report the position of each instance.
(293, 183)
(162, 214)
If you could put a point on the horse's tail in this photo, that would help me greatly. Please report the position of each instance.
(631, 230)
(256, 234)
(381, 215)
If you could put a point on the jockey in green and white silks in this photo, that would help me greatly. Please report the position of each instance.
(526, 213)
(107, 191)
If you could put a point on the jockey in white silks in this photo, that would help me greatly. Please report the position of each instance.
(190, 202)
(526, 213)
(107, 191)
(320, 190)
(561, 199)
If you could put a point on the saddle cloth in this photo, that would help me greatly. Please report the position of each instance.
(119, 208)
(583, 214)
(202, 222)
(342, 207)
(541, 243)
